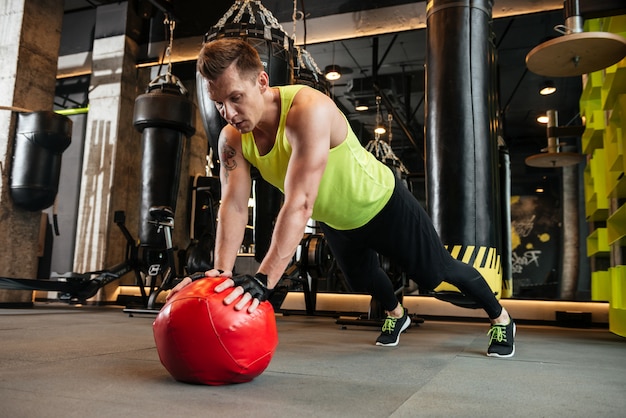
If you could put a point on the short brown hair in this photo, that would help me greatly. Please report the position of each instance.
(216, 56)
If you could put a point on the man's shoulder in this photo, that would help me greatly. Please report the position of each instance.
(292, 87)
(304, 94)
(229, 133)
(291, 91)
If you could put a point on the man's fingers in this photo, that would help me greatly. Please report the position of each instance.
(218, 273)
(255, 304)
(234, 295)
(176, 288)
(226, 284)
(242, 298)
(238, 295)
(245, 299)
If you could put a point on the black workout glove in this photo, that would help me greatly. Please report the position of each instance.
(255, 285)
(201, 275)
(197, 276)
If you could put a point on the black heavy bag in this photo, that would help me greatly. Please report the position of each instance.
(40, 139)
(253, 23)
(164, 115)
(211, 120)
(274, 46)
(461, 152)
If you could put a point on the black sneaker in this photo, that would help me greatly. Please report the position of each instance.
(392, 329)
(502, 340)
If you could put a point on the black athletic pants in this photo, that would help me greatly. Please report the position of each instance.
(403, 232)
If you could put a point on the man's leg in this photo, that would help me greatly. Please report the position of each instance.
(361, 267)
(469, 281)
(404, 232)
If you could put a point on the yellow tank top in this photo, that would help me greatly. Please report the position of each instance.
(355, 186)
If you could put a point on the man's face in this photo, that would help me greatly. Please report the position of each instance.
(238, 99)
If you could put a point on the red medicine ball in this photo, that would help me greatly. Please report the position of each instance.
(201, 340)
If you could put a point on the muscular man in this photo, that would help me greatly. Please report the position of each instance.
(302, 144)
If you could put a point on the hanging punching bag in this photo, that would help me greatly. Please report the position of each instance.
(40, 139)
(164, 116)
(461, 154)
(250, 21)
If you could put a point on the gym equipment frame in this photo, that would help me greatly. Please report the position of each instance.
(76, 288)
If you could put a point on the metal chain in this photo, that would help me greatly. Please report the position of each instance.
(168, 77)
(270, 17)
(222, 22)
(246, 5)
(294, 17)
(379, 118)
(382, 150)
(168, 50)
(306, 61)
(243, 6)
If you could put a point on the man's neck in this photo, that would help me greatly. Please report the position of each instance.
(265, 131)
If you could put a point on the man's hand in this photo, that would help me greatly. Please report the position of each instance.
(252, 289)
(197, 276)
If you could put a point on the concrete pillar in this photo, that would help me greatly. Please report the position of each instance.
(112, 159)
(29, 49)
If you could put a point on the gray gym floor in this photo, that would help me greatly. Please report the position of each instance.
(59, 361)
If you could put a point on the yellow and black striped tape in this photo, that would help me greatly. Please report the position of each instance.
(484, 259)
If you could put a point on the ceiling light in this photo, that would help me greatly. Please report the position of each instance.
(542, 119)
(380, 130)
(547, 88)
(332, 72)
(360, 107)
